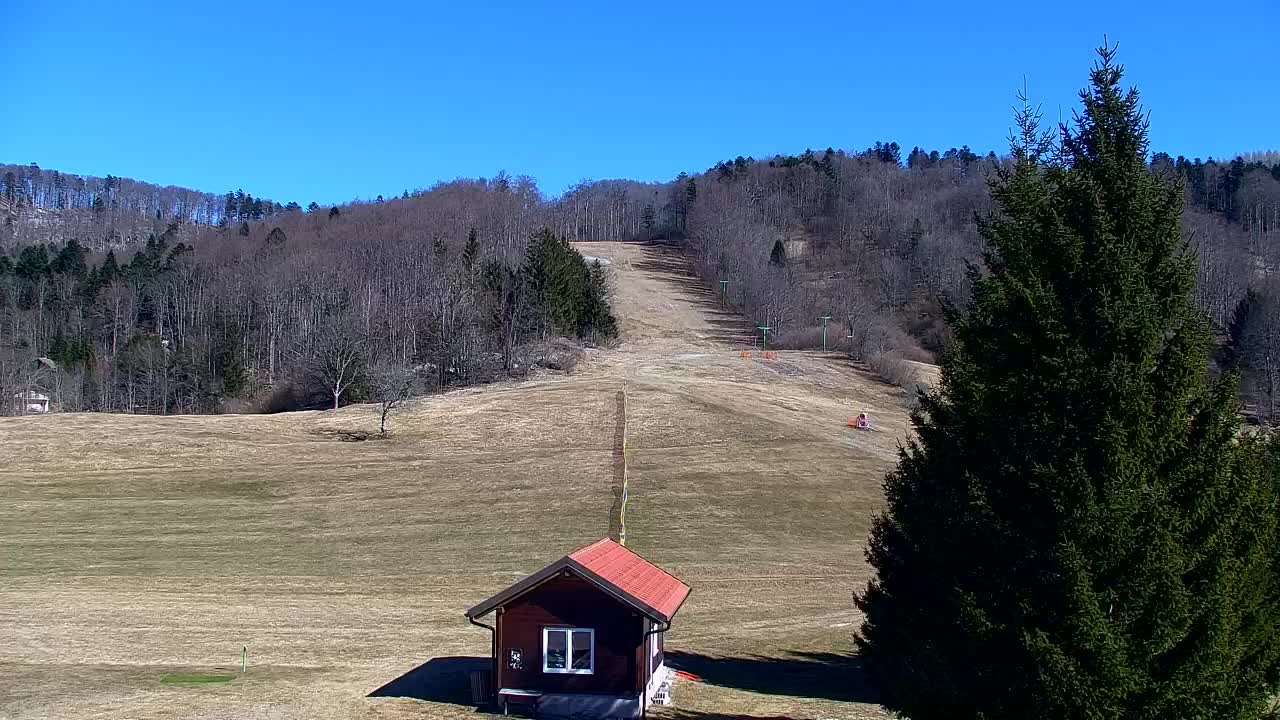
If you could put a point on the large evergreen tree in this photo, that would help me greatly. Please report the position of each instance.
(568, 295)
(1076, 530)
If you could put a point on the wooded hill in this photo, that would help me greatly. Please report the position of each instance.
(151, 299)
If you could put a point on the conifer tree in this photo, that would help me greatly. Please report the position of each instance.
(778, 255)
(471, 251)
(1076, 531)
(569, 296)
(234, 375)
(1246, 310)
(597, 316)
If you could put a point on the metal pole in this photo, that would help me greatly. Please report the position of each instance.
(765, 328)
(824, 320)
(244, 659)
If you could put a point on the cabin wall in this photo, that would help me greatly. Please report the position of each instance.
(570, 601)
(649, 654)
(659, 653)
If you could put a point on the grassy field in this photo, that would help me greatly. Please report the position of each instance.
(134, 548)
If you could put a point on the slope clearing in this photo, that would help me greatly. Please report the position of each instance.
(135, 548)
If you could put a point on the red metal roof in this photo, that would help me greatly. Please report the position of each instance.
(633, 575)
(614, 569)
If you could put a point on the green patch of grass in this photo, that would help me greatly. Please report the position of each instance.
(194, 679)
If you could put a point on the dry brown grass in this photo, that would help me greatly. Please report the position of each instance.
(133, 547)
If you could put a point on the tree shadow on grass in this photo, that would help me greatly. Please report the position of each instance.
(828, 676)
(731, 328)
(442, 679)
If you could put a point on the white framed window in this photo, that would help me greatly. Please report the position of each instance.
(569, 651)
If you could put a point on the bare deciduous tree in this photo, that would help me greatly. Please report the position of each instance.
(337, 360)
(389, 386)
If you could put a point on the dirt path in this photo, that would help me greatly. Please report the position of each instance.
(140, 546)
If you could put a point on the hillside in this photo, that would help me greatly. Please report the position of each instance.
(210, 303)
(140, 546)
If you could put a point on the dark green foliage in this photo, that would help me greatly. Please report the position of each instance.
(570, 296)
(596, 315)
(471, 251)
(826, 166)
(244, 229)
(243, 207)
(110, 270)
(732, 169)
(1229, 355)
(276, 238)
(234, 375)
(68, 351)
(33, 261)
(887, 152)
(1076, 531)
(70, 259)
(778, 255)
(334, 212)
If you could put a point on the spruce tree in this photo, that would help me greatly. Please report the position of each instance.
(778, 255)
(1075, 530)
(1244, 315)
(598, 318)
(471, 251)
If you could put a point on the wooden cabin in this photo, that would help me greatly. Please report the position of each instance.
(584, 635)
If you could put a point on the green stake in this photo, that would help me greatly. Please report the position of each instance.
(824, 320)
(244, 659)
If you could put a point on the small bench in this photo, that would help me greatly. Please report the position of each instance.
(506, 695)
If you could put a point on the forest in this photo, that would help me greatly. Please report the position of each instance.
(120, 296)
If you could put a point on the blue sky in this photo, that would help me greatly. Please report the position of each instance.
(330, 101)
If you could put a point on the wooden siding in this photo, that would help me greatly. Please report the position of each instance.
(645, 660)
(570, 601)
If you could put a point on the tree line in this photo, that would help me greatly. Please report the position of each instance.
(878, 239)
(882, 245)
(461, 284)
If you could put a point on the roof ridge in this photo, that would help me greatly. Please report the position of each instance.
(637, 580)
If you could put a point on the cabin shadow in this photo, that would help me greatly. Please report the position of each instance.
(678, 714)
(827, 676)
(442, 679)
(664, 258)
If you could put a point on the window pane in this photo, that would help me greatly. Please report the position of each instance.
(556, 649)
(581, 650)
